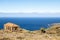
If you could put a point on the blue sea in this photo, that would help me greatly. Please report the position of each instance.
(30, 23)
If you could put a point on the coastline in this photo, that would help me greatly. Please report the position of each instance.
(51, 33)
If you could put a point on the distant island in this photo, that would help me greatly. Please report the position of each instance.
(12, 31)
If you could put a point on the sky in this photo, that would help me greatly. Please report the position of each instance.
(30, 6)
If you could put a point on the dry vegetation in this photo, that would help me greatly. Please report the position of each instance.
(52, 33)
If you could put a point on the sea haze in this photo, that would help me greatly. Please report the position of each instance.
(30, 23)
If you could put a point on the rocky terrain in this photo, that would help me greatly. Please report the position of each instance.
(51, 33)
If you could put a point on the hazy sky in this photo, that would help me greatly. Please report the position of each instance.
(41, 8)
(29, 6)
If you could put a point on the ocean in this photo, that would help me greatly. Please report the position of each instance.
(30, 23)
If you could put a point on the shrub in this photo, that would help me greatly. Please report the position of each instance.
(43, 30)
(5, 39)
(20, 38)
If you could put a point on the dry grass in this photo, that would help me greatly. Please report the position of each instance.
(52, 33)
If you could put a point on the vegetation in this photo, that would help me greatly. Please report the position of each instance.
(5, 39)
(51, 33)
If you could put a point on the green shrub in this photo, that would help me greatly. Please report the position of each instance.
(43, 30)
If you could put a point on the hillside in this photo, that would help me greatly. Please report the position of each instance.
(51, 33)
